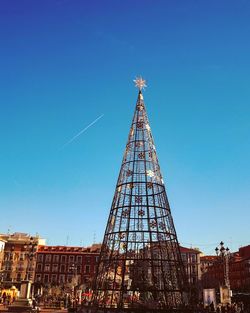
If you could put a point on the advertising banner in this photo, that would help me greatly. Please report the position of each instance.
(209, 297)
(225, 295)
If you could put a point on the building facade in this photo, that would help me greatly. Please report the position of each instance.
(18, 258)
(239, 271)
(2, 244)
(59, 265)
(192, 263)
(206, 262)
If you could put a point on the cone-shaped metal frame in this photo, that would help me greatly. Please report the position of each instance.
(140, 263)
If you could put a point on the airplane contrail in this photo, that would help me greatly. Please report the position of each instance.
(82, 131)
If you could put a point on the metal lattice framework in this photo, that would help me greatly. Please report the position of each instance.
(140, 264)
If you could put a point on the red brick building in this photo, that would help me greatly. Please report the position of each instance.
(239, 271)
(207, 261)
(58, 265)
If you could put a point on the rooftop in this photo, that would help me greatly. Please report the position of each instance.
(189, 250)
(66, 249)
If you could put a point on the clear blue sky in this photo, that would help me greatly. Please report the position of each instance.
(64, 63)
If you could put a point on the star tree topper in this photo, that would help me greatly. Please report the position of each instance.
(140, 83)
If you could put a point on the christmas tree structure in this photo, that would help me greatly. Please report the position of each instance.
(140, 265)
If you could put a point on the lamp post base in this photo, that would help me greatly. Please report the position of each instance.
(25, 289)
(20, 305)
(24, 302)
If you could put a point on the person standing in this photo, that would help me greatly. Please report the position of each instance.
(4, 299)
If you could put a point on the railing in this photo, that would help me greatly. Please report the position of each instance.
(54, 304)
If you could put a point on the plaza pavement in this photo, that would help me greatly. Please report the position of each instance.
(5, 310)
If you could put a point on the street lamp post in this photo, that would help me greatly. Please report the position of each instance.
(73, 269)
(24, 302)
(1, 278)
(224, 254)
(31, 252)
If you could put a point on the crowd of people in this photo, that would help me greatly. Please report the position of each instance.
(234, 307)
(6, 299)
(74, 303)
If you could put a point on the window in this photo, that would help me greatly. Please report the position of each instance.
(54, 267)
(38, 277)
(48, 258)
(70, 277)
(7, 256)
(54, 278)
(61, 279)
(71, 269)
(16, 256)
(184, 257)
(46, 278)
(79, 259)
(22, 256)
(56, 258)
(39, 257)
(18, 277)
(62, 268)
(87, 269)
(193, 257)
(63, 259)
(79, 268)
(47, 268)
(39, 267)
(96, 259)
(71, 258)
(87, 259)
